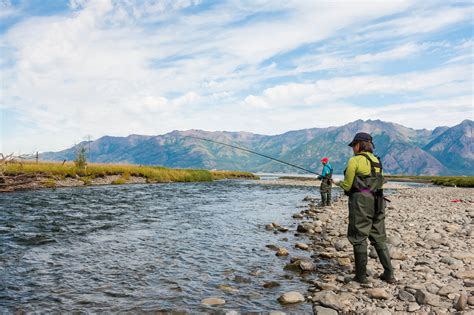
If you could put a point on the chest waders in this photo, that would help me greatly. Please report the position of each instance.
(325, 189)
(367, 220)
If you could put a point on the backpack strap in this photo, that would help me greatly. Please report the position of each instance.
(373, 164)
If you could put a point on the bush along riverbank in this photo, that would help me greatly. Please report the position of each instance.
(429, 233)
(20, 175)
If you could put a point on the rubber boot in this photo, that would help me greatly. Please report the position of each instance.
(323, 199)
(360, 257)
(384, 257)
(328, 199)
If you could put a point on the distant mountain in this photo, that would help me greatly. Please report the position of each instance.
(442, 151)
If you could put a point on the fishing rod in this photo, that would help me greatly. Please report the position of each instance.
(250, 151)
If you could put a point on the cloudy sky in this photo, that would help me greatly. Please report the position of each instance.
(75, 68)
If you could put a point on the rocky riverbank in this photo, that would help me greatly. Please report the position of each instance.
(430, 236)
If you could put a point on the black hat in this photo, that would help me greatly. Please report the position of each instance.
(361, 136)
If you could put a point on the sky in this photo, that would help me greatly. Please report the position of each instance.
(79, 69)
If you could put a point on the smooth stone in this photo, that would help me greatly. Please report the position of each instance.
(307, 266)
(413, 306)
(470, 300)
(269, 227)
(328, 299)
(450, 261)
(291, 298)
(241, 279)
(461, 303)
(344, 261)
(228, 288)
(466, 274)
(283, 229)
(421, 297)
(272, 247)
(394, 240)
(379, 293)
(318, 229)
(213, 301)
(282, 252)
(320, 310)
(326, 286)
(446, 290)
(303, 227)
(302, 246)
(406, 296)
(271, 285)
(339, 246)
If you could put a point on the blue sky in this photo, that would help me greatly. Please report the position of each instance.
(75, 68)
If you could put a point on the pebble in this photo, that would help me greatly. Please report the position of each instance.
(461, 303)
(271, 285)
(412, 307)
(282, 252)
(291, 298)
(406, 296)
(302, 246)
(319, 310)
(344, 261)
(379, 293)
(213, 301)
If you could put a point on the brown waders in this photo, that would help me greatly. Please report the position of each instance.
(367, 220)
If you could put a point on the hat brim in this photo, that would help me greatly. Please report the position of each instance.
(352, 143)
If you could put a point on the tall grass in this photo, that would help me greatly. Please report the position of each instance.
(151, 173)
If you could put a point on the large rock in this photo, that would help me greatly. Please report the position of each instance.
(291, 298)
(406, 296)
(465, 274)
(282, 252)
(304, 227)
(446, 290)
(461, 303)
(302, 246)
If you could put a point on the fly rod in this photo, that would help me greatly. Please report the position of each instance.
(250, 151)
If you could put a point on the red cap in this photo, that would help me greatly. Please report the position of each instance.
(325, 160)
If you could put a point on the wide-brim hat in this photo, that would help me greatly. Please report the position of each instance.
(360, 136)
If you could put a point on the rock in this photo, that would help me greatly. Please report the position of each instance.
(317, 229)
(228, 288)
(318, 223)
(339, 246)
(470, 300)
(303, 227)
(395, 253)
(328, 299)
(466, 274)
(326, 286)
(378, 293)
(283, 229)
(269, 227)
(271, 285)
(291, 298)
(444, 291)
(461, 303)
(450, 261)
(433, 236)
(302, 246)
(241, 279)
(394, 240)
(412, 307)
(282, 252)
(272, 247)
(432, 288)
(276, 225)
(344, 261)
(213, 301)
(297, 216)
(307, 266)
(319, 310)
(421, 297)
(406, 296)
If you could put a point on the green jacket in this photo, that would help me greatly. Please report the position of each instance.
(357, 165)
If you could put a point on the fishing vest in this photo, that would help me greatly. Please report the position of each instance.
(371, 183)
(327, 179)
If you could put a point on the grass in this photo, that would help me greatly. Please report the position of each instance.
(458, 181)
(153, 174)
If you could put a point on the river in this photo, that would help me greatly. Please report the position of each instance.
(154, 247)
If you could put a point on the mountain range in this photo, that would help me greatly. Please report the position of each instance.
(442, 151)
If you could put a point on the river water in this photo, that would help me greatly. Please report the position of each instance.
(148, 247)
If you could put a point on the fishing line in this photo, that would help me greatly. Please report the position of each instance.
(250, 151)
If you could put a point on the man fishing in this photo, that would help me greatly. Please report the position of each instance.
(326, 182)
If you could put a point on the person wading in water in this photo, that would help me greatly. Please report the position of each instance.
(363, 181)
(326, 182)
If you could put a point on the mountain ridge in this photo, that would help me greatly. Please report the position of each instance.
(441, 151)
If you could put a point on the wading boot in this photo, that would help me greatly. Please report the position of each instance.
(360, 257)
(384, 257)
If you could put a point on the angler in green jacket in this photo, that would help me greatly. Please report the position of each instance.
(363, 182)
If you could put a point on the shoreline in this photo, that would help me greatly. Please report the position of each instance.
(429, 233)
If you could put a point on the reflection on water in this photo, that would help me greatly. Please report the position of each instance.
(147, 247)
